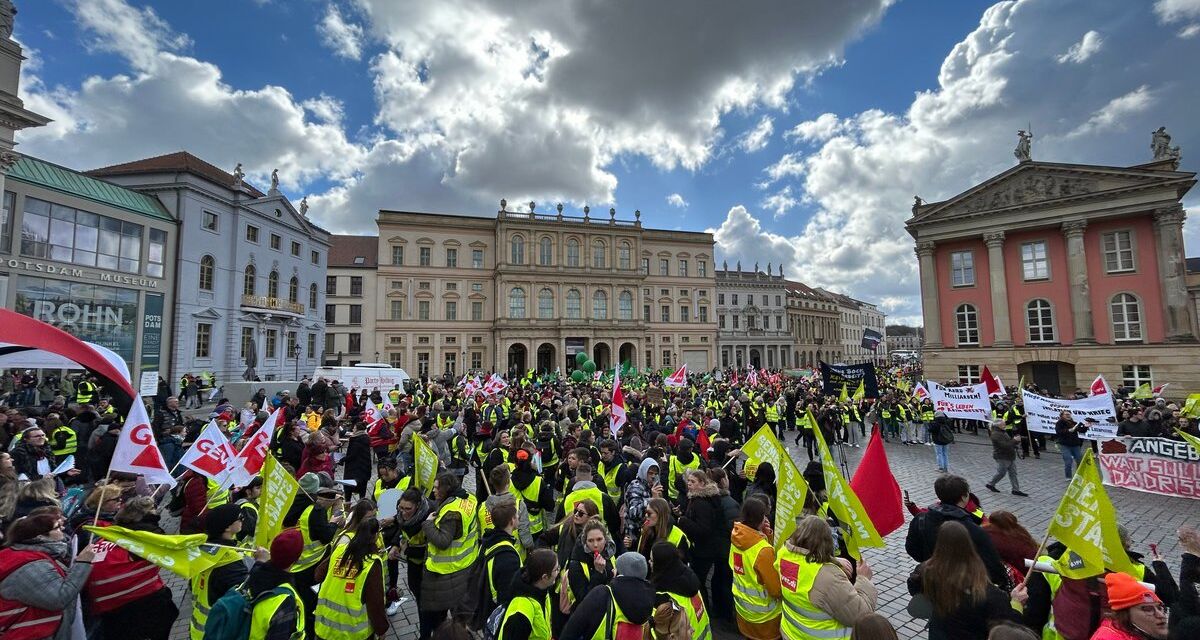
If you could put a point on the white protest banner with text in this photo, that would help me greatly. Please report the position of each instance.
(1097, 412)
(966, 403)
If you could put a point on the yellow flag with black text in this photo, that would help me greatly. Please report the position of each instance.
(279, 490)
(1086, 523)
(186, 555)
(426, 462)
(857, 529)
(791, 489)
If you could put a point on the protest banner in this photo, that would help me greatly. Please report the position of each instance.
(278, 492)
(426, 462)
(833, 376)
(966, 403)
(1097, 412)
(1086, 523)
(791, 489)
(1154, 465)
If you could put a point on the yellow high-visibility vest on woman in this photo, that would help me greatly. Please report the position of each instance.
(675, 468)
(340, 612)
(313, 549)
(200, 598)
(750, 597)
(538, 614)
(464, 550)
(264, 610)
(697, 615)
(800, 618)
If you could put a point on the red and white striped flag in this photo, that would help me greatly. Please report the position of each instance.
(616, 416)
(677, 379)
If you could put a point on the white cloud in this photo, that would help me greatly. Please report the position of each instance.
(676, 200)
(861, 177)
(1189, 31)
(757, 138)
(1177, 10)
(819, 130)
(138, 35)
(781, 202)
(1084, 49)
(344, 38)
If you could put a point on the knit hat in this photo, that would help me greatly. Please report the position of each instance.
(309, 483)
(219, 519)
(286, 548)
(631, 564)
(1124, 592)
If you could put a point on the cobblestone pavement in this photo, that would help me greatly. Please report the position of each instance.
(1150, 519)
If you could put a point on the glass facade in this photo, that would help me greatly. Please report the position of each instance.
(71, 235)
(107, 316)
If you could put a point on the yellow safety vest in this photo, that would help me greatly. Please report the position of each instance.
(313, 550)
(463, 551)
(217, 496)
(610, 480)
(489, 555)
(486, 524)
(608, 628)
(750, 597)
(678, 538)
(200, 599)
(676, 469)
(538, 614)
(402, 485)
(697, 616)
(340, 612)
(591, 494)
(537, 520)
(772, 413)
(800, 618)
(84, 392)
(69, 447)
(1049, 632)
(264, 610)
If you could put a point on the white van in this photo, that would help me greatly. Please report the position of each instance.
(365, 375)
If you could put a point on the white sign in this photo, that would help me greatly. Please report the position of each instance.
(966, 403)
(148, 386)
(1097, 412)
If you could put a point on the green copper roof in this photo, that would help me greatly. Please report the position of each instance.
(52, 176)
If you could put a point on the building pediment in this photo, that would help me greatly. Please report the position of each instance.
(207, 313)
(1044, 184)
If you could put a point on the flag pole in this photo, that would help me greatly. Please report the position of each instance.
(107, 476)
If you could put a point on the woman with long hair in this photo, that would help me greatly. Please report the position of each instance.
(817, 586)
(39, 493)
(591, 564)
(527, 614)
(352, 600)
(571, 527)
(676, 583)
(659, 525)
(361, 511)
(1012, 541)
(965, 603)
(873, 627)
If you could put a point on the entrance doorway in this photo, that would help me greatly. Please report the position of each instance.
(1052, 376)
(602, 356)
(756, 358)
(545, 358)
(517, 358)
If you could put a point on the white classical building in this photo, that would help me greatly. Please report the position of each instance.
(250, 280)
(752, 318)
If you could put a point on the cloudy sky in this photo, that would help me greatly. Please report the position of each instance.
(797, 131)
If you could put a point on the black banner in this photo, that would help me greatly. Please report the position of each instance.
(834, 376)
(871, 339)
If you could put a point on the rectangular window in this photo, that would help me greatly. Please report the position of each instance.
(272, 342)
(968, 373)
(354, 343)
(962, 269)
(703, 314)
(1118, 251)
(276, 241)
(545, 252)
(397, 255)
(330, 343)
(683, 268)
(1034, 264)
(251, 233)
(477, 287)
(296, 249)
(735, 299)
(316, 257)
(645, 266)
(702, 268)
(1136, 375)
(312, 345)
(664, 267)
(721, 299)
(778, 301)
(451, 286)
(423, 310)
(451, 310)
(247, 341)
(203, 340)
(210, 221)
(396, 360)
(476, 359)
(356, 285)
(451, 362)
(424, 286)
(6, 221)
(477, 258)
(736, 321)
(397, 309)
(331, 285)
(423, 256)
(68, 235)
(778, 322)
(645, 313)
(293, 345)
(721, 321)
(356, 314)
(157, 254)
(477, 311)
(452, 258)
(685, 313)
(331, 314)
(423, 364)
(598, 255)
(665, 316)
(666, 358)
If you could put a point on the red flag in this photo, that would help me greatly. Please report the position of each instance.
(1099, 387)
(616, 415)
(993, 383)
(877, 489)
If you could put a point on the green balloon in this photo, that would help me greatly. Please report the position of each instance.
(589, 367)
(581, 358)
(577, 375)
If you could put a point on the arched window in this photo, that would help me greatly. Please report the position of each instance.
(1039, 318)
(207, 266)
(545, 304)
(1126, 317)
(966, 320)
(572, 253)
(545, 252)
(516, 303)
(574, 304)
(598, 252)
(624, 259)
(600, 305)
(312, 296)
(294, 290)
(248, 285)
(273, 285)
(625, 306)
(518, 250)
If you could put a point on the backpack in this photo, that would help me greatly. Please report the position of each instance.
(1077, 606)
(229, 617)
(491, 628)
(668, 622)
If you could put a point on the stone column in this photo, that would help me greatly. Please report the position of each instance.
(1081, 297)
(1000, 318)
(1168, 228)
(930, 308)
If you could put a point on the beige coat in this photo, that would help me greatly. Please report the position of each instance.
(833, 593)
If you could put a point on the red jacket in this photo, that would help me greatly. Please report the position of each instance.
(21, 621)
(118, 578)
(384, 434)
(195, 498)
(1109, 631)
(310, 463)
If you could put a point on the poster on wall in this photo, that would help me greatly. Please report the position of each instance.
(152, 321)
(1153, 465)
(1097, 412)
(965, 403)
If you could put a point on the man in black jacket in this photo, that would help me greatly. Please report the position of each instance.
(952, 492)
(632, 593)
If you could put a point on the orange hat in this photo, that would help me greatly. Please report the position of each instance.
(1124, 592)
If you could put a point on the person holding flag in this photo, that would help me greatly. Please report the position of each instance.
(222, 526)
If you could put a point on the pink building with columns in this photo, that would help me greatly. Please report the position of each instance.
(1059, 272)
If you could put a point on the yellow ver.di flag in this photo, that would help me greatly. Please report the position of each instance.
(1086, 523)
(860, 392)
(278, 492)
(1191, 439)
(426, 464)
(844, 396)
(857, 528)
(791, 489)
(186, 555)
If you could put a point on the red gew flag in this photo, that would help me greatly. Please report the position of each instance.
(1099, 387)
(616, 412)
(876, 487)
(137, 451)
(993, 384)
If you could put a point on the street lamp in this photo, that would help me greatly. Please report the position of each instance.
(295, 353)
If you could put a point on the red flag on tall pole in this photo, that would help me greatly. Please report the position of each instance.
(994, 387)
(616, 415)
(876, 487)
